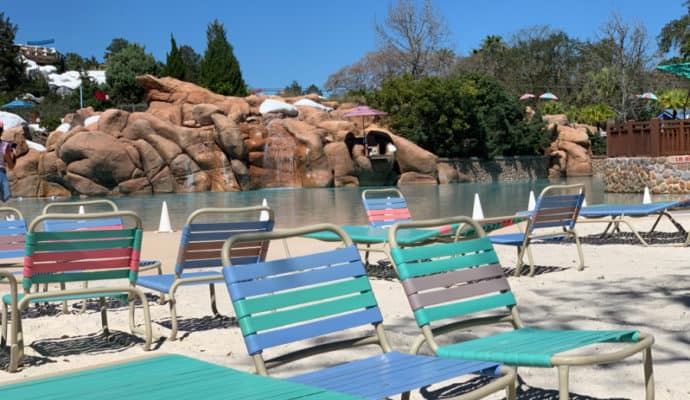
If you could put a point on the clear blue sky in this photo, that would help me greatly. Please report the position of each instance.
(277, 42)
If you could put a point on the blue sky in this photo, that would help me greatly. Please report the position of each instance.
(277, 42)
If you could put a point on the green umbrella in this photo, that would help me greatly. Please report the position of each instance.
(682, 69)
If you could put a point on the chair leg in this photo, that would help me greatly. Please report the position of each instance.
(519, 263)
(214, 307)
(563, 392)
(530, 257)
(579, 251)
(648, 373)
(173, 316)
(5, 311)
(104, 315)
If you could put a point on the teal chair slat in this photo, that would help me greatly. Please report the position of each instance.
(428, 315)
(421, 268)
(531, 347)
(244, 226)
(164, 377)
(416, 253)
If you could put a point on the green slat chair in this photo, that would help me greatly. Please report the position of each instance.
(449, 284)
(109, 256)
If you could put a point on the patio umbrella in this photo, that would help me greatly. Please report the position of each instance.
(16, 103)
(364, 111)
(647, 96)
(527, 96)
(548, 96)
(682, 70)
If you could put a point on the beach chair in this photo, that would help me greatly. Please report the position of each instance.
(169, 376)
(384, 207)
(324, 301)
(553, 218)
(104, 205)
(12, 236)
(453, 286)
(105, 255)
(616, 214)
(199, 254)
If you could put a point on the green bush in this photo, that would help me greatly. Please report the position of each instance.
(464, 115)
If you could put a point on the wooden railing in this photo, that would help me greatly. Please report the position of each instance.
(655, 138)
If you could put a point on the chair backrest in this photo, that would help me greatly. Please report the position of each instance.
(453, 280)
(81, 224)
(201, 242)
(557, 206)
(12, 233)
(87, 255)
(300, 297)
(385, 207)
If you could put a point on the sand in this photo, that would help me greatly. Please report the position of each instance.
(622, 286)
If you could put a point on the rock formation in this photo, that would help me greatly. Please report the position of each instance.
(571, 153)
(191, 140)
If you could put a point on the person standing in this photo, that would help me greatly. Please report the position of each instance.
(6, 161)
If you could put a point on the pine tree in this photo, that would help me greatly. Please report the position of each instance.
(11, 68)
(174, 65)
(220, 70)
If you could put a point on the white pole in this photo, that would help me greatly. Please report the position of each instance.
(531, 203)
(646, 197)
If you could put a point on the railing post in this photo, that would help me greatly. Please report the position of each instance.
(655, 137)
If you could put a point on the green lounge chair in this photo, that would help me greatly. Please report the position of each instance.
(323, 301)
(76, 256)
(449, 284)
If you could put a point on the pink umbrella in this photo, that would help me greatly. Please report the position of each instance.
(548, 96)
(647, 96)
(363, 111)
(527, 96)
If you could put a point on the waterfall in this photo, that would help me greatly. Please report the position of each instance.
(189, 180)
(279, 157)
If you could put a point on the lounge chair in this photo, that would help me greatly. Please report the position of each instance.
(86, 224)
(198, 257)
(12, 233)
(306, 298)
(162, 377)
(616, 214)
(553, 218)
(76, 256)
(453, 286)
(385, 207)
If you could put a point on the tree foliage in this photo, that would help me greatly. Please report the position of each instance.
(122, 69)
(11, 68)
(460, 116)
(116, 45)
(220, 71)
(174, 64)
(75, 62)
(675, 35)
(293, 89)
(192, 61)
(313, 89)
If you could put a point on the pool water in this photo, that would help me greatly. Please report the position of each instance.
(295, 207)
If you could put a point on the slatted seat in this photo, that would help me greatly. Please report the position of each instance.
(385, 207)
(199, 254)
(457, 285)
(303, 299)
(163, 377)
(77, 256)
(553, 218)
(12, 233)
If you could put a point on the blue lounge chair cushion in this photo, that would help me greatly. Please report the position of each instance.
(389, 374)
(530, 346)
(508, 238)
(162, 283)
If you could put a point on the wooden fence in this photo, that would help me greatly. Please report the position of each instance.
(655, 138)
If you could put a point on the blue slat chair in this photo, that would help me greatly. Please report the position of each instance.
(305, 297)
(198, 257)
(553, 218)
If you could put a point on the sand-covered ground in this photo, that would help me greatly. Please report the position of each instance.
(622, 286)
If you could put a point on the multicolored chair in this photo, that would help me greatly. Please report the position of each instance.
(385, 207)
(553, 218)
(76, 256)
(199, 255)
(324, 301)
(457, 285)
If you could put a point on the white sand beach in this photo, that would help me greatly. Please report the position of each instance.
(622, 286)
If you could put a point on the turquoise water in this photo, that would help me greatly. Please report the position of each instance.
(294, 207)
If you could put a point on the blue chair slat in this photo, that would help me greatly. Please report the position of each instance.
(386, 375)
(244, 226)
(77, 224)
(382, 204)
(258, 342)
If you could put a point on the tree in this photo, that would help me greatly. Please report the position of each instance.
(415, 36)
(491, 56)
(116, 45)
(675, 35)
(122, 69)
(220, 71)
(294, 89)
(313, 89)
(11, 67)
(174, 65)
(191, 60)
(75, 62)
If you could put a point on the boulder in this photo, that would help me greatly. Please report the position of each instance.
(416, 178)
(555, 119)
(447, 174)
(203, 113)
(568, 134)
(229, 137)
(578, 160)
(113, 122)
(340, 159)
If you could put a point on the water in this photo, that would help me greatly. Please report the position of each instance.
(295, 207)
